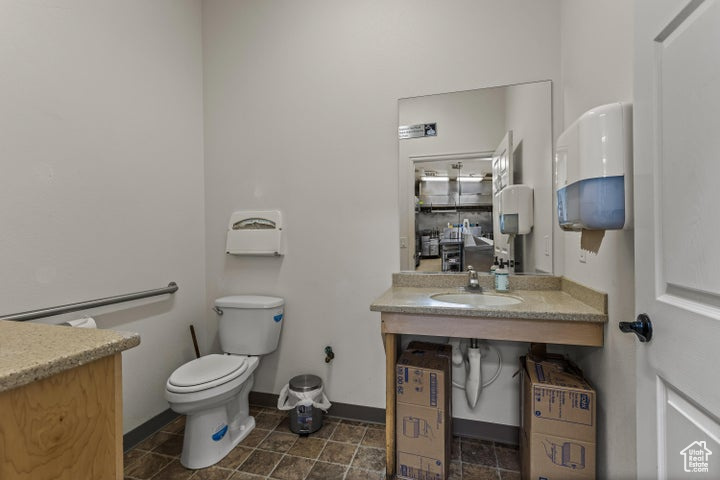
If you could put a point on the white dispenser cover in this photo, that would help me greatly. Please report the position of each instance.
(516, 209)
(593, 170)
(255, 233)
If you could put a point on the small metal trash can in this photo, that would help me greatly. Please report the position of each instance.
(305, 418)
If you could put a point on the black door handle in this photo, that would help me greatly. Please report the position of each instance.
(642, 327)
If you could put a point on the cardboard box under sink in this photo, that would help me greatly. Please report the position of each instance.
(423, 428)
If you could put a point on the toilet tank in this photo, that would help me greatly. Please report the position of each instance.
(250, 324)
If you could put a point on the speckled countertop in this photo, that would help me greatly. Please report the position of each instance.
(543, 298)
(32, 351)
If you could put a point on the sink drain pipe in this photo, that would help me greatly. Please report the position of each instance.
(471, 368)
(473, 381)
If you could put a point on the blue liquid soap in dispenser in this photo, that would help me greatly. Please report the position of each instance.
(593, 170)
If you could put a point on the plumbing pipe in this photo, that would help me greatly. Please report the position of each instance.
(473, 382)
(459, 367)
(492, 378)
(457, 355)
(470, 369)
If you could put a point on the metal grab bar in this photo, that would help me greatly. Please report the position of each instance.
(100, 302)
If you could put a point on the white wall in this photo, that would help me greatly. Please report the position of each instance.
(597, 45)
(101, 190)
(528, 113)
(301, 115)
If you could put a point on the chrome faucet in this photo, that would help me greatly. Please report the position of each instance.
(473, 282)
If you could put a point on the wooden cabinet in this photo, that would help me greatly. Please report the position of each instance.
(64, 427)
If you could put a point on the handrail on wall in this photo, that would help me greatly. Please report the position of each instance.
(100, 302)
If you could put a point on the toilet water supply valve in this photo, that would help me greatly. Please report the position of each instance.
(329, 355)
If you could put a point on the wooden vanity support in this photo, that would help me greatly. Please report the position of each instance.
(552, 310)
(513, 329)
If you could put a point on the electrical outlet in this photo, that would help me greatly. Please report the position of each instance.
(583, 256)
(403, 242)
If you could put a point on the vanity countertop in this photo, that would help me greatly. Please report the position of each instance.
(543, 298)
(32, 351)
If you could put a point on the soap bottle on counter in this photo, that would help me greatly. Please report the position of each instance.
(494, 267)
(502, 278)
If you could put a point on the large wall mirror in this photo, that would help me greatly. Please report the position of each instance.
(475, 177)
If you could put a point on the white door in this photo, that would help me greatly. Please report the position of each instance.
(502, 174)
(677, 236)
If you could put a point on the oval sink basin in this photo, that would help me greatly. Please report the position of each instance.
(476, 299)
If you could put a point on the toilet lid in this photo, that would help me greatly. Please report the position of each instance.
(208, 371)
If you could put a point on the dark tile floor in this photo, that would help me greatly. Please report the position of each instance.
(340, 450)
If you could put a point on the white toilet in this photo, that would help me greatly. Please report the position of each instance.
(213, 390)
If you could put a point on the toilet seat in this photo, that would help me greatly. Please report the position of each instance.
(206, 372)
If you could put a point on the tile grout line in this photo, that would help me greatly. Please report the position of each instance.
(252, 451)
(172, 434)
(315, 460)
(347, 470)
(347, 467)
(497, 462)
(460, 458)
(263, 450)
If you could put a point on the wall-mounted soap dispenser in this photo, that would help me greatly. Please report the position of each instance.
(593, 170)
(516, 210)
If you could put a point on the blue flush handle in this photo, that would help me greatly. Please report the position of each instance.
(642, 327)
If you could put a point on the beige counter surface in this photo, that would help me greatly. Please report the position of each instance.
(32, 351)
(536, 304)
(543, 298)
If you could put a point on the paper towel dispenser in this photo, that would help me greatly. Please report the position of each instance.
(516, 209)
(255, 233)
(593, 170)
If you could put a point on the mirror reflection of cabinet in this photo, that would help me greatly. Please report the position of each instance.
(451, 255)
(466, 187)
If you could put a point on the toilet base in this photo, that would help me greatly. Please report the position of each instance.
(200, 450)
(210, 434)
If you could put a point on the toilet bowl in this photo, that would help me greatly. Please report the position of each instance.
(213, 390)
(216, 404)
